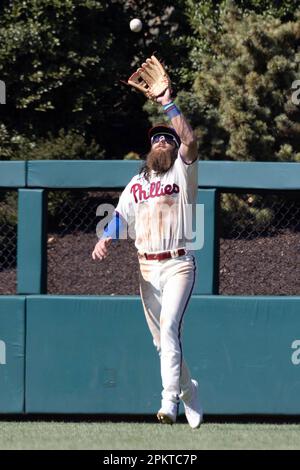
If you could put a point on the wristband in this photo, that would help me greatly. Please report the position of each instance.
(171, 110)
(165, 106)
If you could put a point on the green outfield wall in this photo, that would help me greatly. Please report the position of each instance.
(13, 174)
(12, 354)
(116, 174)
(94, 354)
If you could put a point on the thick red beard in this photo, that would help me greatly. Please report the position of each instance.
(161, 160)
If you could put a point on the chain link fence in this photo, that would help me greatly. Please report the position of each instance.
(259, 251)
(8, 242)
(72, 222)
(259, 245)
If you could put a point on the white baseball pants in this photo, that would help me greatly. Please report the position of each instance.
(166, 287)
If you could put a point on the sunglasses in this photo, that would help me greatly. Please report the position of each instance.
(168, 138)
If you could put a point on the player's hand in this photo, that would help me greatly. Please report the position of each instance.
(101, 248)
(166, 97)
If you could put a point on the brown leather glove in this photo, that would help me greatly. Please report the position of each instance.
(151, 79)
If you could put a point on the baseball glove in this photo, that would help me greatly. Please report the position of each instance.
(151, 79)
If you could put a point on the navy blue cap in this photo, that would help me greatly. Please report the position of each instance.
(164, 129)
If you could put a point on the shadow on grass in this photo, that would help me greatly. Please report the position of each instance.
(117, 418)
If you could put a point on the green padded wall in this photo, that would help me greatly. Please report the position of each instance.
(95, 355)
(32, 246)
(81, 174)
(245, 351)
(12, 336)
(207, 269)
(13, 174)
(89, 355)
(255, 175)
(117, 173)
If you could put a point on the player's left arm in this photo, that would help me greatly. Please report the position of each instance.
(188, 148)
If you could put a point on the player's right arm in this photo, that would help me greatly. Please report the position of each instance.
(117, 227)
(101, 248)
(114, 231)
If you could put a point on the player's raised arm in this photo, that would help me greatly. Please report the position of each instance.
(153, 80)
(188, 147)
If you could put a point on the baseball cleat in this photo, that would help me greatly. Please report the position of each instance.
(192, 408)
(168, 413)
(164, 419)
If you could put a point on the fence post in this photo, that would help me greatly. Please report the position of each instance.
(207, 258)
(31, 246)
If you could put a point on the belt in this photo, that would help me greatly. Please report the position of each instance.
(163, 255)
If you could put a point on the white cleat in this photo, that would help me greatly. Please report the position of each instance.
(192, 408)
(168, 412)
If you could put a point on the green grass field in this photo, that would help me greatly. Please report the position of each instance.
(138, 435)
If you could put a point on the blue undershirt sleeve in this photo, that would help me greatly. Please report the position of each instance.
(116, 227)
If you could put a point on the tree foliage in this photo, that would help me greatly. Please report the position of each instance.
(242, 103)
(62, 61)
(205, 17)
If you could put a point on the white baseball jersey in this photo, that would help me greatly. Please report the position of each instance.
(159, 212)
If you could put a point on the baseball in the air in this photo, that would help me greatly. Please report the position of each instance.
(136, 25)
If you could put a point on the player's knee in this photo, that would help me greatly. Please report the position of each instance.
(168, 326)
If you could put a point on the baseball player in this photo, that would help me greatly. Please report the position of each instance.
(153, 210)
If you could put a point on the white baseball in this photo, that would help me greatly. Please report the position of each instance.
(136, 25)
